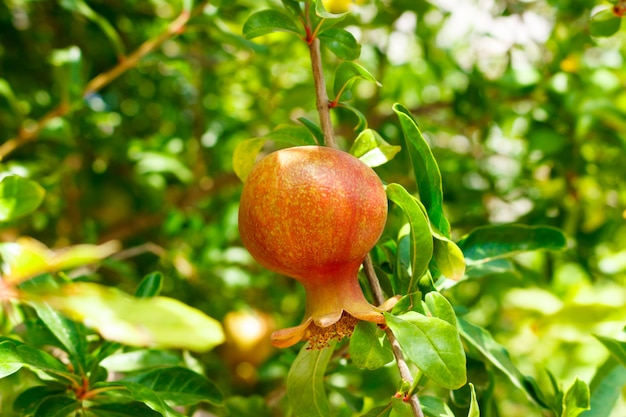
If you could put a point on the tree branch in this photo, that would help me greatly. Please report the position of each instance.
(30, 133)
(321, 94)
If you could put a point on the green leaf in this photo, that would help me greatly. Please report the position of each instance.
(421, 238)
(616, 347)
(268, 21)
(293, 6)
(244, 156)
(346, 74)
(400, 408)
(425, 168)
(305, 383)
(604, 23)
(435, 407)
(606, 388)
(360, 116)
(576, 399)
(246, 152)
(57, 406)
(312, 127)
(27, 258)
(369, 347)
(448, 257)
(440, 307)
(19, 197)
(150, 286)
(433, 345)
(372, 149)
(179, 386)
(252, 406)
(138, 360)
(156, 321)
(67, 332)
(341, 43)
(143, 394)
(487, 243)
(130, 409)
(152, 162)
(481, 341)
(474, 411)
(382, 411)
(28, 400)
(14, 356)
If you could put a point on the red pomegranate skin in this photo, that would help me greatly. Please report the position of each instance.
(313, 213)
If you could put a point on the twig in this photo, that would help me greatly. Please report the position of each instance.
(321, 94)
(30, 133)
(403, 367)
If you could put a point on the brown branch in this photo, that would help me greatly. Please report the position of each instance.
(30, 133)
(403, 367)
(321, 94)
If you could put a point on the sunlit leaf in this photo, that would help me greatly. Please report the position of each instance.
(474, 411)
(138, 360)
(305, 383)
(15, 356)
(156, 321)
(372, 149)
(487, 243)
(448, 257)
(435, 407)
(576, 399)
(440, 307)
(433, 345)
(421, 238)
(268, 21)
(604, 23)
(425, 168)
(19, 197)
(400, 408)
(369, 347)
(179, 386)
(149, 162)
(28, 257)
(606, 388)
(67, 64)
(341, 42)
(616, 347)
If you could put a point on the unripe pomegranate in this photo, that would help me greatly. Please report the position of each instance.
(313, 213)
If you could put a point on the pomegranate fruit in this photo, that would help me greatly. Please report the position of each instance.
(313, 213)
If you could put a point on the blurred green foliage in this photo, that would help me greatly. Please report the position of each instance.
(524, 110)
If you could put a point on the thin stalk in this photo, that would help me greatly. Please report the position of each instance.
(403, 367)
(320, 93)
(30, 133)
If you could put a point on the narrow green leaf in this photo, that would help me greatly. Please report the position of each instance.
(576, 399)
(150, 286)
(435, 407)
(604, 23)
(369, 347)
(616, 347)
(28, 257)
(14, 356)
(156, 321)
(67, 65)
(19, 197)
(488, 243)
(362, 124)
(67, 332)
(606, 388)
(82, 8)
(138, 360)
(425, 168)
(312, 127)
(421, 238)
(28, 400)
(268, 21)
(130, 409)
(346, 74)
(305, 383)
(440, 307)
(474, 411)
(341, 43)
(7, 92)
(433, 345)
(179, 386)
(57, 406)
(372, 149)
(143, 394)
(481, 341)
(293, 6)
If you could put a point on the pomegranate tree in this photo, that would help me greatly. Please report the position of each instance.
(313, 213)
